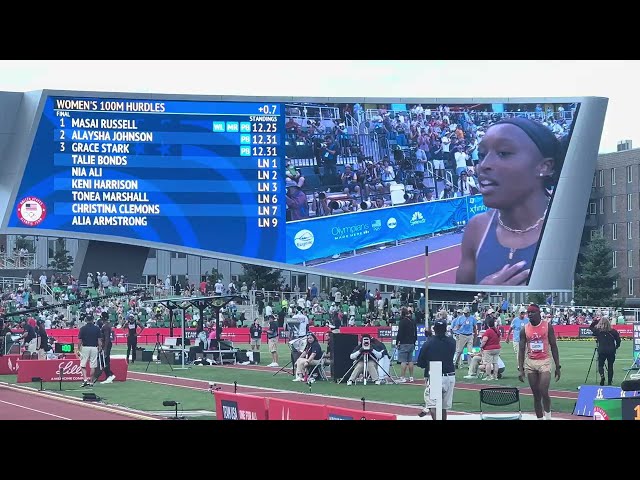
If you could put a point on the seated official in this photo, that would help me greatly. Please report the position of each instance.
(476, 366)
(358, 355)
(310, 357)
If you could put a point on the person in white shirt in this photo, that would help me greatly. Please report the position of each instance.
(461, 158)
(338, 297)
(304, 323)
(466, 184)
(218, 287)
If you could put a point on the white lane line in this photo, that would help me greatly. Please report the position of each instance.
(34, 410)
(409, 258)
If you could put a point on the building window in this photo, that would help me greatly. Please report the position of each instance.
(613, 176)
(592, 208)
(615, 287)
(629, 200)
(631, 287)
(615, 259)
(178, 255)
(601, 178)
(630, 258)
(595, 181)
(594, 233)
(629, 174)
(602, 230)
(629, 230)
(614, 231)
(53, 246)
(601, 202)
(153, 253)
(613, 204)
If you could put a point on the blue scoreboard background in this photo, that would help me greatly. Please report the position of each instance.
(206, 175)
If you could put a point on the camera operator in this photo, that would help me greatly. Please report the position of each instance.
(330, 150)
(607, 341)
(358, 354)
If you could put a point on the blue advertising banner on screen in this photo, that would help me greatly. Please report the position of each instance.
(325, 236)
(588, 393)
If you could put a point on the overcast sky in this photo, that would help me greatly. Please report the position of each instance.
(616, 80)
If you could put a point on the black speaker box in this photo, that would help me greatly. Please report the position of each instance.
(256, 358)
(342, 344)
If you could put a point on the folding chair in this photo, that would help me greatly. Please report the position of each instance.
(500, 397)
(320, 369)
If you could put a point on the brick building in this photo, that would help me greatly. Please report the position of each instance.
(614, 212)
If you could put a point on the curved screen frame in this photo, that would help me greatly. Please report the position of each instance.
(557, 251)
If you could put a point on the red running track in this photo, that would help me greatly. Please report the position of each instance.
(443, 264)
(17, 403)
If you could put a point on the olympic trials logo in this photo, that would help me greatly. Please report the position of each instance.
(304, 239)
(377, 225)
(31, 211)
(599, 414)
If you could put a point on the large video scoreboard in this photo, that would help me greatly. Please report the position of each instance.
(206, 175)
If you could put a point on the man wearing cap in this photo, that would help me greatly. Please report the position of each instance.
(537, 338)
(464, 328)
(439, 348)
(516, 325)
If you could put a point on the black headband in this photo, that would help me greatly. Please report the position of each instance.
(544, 139)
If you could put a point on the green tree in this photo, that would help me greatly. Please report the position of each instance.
(213, 277)
(265, 277)
(62, 261)
(595, 278)
(537, 298)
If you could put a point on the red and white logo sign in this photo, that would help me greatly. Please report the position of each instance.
(599, 414)
(32, 211)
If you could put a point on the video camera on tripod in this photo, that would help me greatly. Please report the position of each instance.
(366, 344)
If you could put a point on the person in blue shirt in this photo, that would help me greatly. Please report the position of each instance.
(464, 329)
(517, 324)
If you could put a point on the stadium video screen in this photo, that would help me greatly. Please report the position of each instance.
(341, 188)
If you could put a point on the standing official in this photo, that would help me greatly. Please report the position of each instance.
(88, 337)
(406, 344)
(439, 348)
(104, 353)
(608, 342)
(132, 325)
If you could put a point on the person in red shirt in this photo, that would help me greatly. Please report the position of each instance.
(537, 339)
(490, 346)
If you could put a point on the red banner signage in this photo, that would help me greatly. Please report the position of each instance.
(49, 370)
(235, 406)
(337, 413)
(288, 410)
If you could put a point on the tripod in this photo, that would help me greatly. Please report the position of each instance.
(158, 347)
(366, 357)
(595, 351)
(295, 354)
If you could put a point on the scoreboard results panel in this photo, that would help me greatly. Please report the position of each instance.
(198, 174)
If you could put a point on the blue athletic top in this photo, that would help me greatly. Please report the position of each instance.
(492, 256)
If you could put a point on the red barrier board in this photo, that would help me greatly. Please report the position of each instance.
(49, 370)
(9, 364)
(288, 410)
(235, 406)
(337, 413)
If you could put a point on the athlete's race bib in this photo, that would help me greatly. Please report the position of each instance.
(536, 346)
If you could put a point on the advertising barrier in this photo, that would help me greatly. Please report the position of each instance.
(325, 236)
(385, 334)
(288, 410)
(49, 370)
(235, 406)
(589, 393)
(9, 364)
(338, 413)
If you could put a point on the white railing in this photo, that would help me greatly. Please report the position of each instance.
(10, 261)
